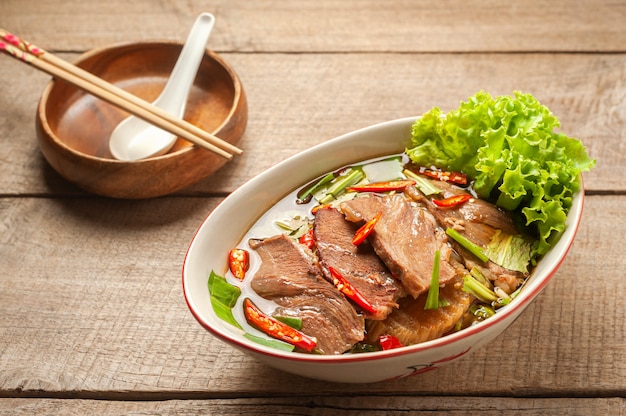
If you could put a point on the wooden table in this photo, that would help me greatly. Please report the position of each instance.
(92, 317)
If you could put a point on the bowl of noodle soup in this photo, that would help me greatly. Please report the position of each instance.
(229, 223)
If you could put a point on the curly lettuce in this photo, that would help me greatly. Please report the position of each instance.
(511, 150)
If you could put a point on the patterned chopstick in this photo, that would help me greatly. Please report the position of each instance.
(26, 52)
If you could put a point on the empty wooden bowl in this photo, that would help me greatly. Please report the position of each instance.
(73, 127)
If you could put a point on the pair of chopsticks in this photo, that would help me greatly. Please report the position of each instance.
(57, 67)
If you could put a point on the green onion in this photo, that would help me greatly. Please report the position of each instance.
(503, 297)
(474, 287)
(342, 183)
(432, 300)
(292, 224)
(460, 324)
(482, 311)
(473, 248)
(274, 343)
(516, 292)
(223, 297)
(478, 275)
(304, 197)
(292, 321)
(422, 184)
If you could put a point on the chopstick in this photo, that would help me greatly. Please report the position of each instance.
(57, 67)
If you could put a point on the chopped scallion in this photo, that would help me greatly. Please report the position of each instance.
(478, 275)
(482, 311)
(292, 321)
(432, 300)
(480, 291)
(421, 183)
(295, 226)
(341, 184)
(473, 248)
(274, 343)
(306, 195)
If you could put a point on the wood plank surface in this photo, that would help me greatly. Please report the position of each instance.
(92, 317)
(329, 25)
(99, 313)
(322, 406)
(299, 100)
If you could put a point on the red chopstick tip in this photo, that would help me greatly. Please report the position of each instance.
(12, 39)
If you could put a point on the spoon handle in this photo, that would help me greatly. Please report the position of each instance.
(174, 96)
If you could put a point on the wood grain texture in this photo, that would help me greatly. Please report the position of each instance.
(92, 314)
(330, 26)
(322, 406)
(297, 101)
(100, 314)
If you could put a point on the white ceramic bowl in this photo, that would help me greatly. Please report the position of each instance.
(227, 224)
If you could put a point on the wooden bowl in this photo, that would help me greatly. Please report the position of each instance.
(73, 127)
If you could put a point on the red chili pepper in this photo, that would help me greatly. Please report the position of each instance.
(362, 233)
(238, 262)
(453, 201)
(318, 207)
(389, 342)
(308, 239)
(382, 186)
(454, 177)
(276, 329)
(350, 291)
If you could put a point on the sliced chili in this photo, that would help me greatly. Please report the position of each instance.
(389, 342)
(350, 291)
(238, 262)
(362, 233)
(308, 239)
(318, 207)
(453, 201)
(383, 186)
(276, 329)
(454, 177)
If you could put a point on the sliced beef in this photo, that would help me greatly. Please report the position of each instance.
(289, 276)
(405, 238)
(478, 221)
(412, 324)
(358, 264)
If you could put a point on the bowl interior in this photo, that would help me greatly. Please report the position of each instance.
(84, 123)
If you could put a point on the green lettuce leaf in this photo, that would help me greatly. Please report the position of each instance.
(510, 147)
(512, 252)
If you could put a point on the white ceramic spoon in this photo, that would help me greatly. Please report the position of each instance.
(135, 139)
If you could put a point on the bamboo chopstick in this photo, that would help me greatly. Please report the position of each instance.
(57, 67)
